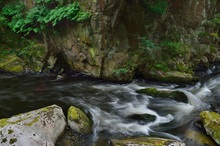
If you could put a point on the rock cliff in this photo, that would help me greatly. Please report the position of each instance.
(104, 46)
(121, 38)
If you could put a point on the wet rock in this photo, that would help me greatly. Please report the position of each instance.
(151, 141)
(198, 138)
(38, 127)
(142, 119)
(78, 121)
(170, 77)
(195, 134)
(175, 95)
(211, 122)
(72, 138)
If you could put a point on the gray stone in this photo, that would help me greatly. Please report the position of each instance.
(36, 128)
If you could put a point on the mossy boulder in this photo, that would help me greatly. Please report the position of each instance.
(148, 141)
(78, 121)
(12, 63)
(175, 95)
(211, 122)
(33, 128)
(170, 76)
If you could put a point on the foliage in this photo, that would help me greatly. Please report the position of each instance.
(2, 3)
(147, 47)
(156, 6)
(45, 14)
(167, 55)
(216, 19)
(120, 71)
(173, 48)
(161, 66)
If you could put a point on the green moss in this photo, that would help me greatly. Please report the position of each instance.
(73, 113)
(36, 119)
(4, 140)
(211, 122)
(92, 52)
(10, 131)
(12, 63)
(76, 115)
(46, 109)
(4, 122)
(12, 140)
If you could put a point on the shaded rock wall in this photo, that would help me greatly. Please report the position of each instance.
(107, 41)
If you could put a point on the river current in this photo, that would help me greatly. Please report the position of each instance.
(112, 107)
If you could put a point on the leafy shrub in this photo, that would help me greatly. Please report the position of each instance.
(147, 46)
(120, 71)
(156, 6)
(46, 13)
(173, 48)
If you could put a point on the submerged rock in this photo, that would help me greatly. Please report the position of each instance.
(36, 128)
(198, 138)
(148, 141)
(175, 95)
(195, 135)
(211, 122)
(78, 121)
(142, 118)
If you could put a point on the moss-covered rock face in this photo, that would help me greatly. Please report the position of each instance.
(175, 95)
(148, 141)
(28, 59)
(104, 45)
(211, 122)
(78, 121)
(170, 76)
(33, 56)
(33, 128)
(12, 63)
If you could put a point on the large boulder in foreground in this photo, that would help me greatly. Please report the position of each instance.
(148, 141)
(36, 128)
(78, 121)
(211, 122)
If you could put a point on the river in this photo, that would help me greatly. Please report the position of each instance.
(112, 106)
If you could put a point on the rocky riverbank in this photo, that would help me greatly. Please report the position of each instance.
(44, 126)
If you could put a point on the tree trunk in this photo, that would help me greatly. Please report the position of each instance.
(28, 4)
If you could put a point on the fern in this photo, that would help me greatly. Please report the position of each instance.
(156, 6)
(46, 13)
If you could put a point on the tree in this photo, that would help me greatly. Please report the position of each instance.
(28, 4)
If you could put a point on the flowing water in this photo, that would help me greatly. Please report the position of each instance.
(113, 107)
